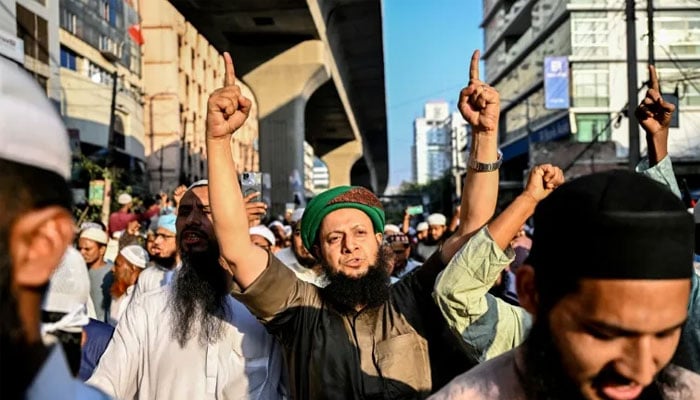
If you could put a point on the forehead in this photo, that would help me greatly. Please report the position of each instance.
(345, 218)
(637, 305)
(198, 195)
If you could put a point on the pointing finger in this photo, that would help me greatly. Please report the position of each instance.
(653, 79)
(230, 75)
(474, 67)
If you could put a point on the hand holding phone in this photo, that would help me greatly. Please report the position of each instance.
(414, 210)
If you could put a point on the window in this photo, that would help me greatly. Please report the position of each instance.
(682, 75)
(589, 34)
(68, 58)
(677, 33)
(98, 74)
(33, 30)
(105, 10)
(69, 21)
(590, 125)
(590, 85)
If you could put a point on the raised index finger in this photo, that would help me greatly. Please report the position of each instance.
(474, 67)
(230, 75)
(653, 79)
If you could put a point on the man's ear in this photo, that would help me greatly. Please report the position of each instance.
(38, 239)
(380, 237)
(527, 291)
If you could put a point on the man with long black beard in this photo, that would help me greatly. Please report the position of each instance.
(358, 337)
(191, 339)
(36, 228)
(607, 321)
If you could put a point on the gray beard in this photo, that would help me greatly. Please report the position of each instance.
(198, 299)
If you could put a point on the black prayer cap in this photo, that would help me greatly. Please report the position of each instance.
(612, 225)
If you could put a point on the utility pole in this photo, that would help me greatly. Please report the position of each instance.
(112, 119)
(650, 30)
(632, 84)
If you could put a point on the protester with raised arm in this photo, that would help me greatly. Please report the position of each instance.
(358, 337)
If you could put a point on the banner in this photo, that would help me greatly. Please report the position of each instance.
(96, 193)
(556, 83)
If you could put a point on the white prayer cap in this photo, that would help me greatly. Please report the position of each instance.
(437, 219)
(275, 223)
(201, 182)
(262, 230)
(391, 228)
(69, 286)
(31, 131)
(95, 234)
(423, 226)
(136, 255)
(297, 214)
(124, 199)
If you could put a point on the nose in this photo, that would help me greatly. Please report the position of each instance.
(640, 361)
(349, 244)
(193, 218)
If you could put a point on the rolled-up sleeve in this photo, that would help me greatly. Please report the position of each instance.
(275, 291)
(487, 325)
(661, 172)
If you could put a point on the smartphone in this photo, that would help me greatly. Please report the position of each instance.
(252, 182)
(415, 210)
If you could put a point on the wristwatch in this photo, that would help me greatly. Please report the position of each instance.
(477, 166)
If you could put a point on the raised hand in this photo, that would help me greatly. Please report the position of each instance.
(543, 180)
(479, 103)
(653, 113)
(227, 108)
(254, 209)
(178, 193)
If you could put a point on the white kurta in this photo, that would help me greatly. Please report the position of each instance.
(144, 361)
(154, 277)
(118, 306)
(289, 259)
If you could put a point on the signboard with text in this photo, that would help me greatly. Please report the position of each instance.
(556, 83)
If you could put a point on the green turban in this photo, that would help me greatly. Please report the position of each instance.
(334, 199)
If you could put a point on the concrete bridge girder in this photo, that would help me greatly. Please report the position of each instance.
(282, 87)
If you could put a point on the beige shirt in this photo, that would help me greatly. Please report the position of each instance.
(143, 361)
(497, 379)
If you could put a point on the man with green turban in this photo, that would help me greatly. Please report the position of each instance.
(359, 337)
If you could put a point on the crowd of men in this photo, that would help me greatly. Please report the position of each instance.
(195, 298)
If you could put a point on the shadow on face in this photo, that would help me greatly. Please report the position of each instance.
(614, 336)
(194, 221)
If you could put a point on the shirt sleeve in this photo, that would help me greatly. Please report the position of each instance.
(487, 325)
(661, 172)
(117, 372)
(276, 291)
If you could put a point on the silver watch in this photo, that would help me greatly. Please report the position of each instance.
(477, 166)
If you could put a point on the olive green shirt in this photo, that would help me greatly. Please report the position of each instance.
(399, 349)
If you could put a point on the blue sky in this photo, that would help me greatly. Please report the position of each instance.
(427, 48)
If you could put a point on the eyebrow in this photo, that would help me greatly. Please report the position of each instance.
(616, 330)
(343, 232)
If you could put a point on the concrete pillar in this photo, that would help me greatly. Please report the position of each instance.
(340, 162)
(282, 86)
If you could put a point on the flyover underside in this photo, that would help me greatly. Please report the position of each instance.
(257, 31)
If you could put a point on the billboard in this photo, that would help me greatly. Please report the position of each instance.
(556, 83)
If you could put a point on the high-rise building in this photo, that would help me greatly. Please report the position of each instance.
(321, 177)
(588, 39)
(439, 137)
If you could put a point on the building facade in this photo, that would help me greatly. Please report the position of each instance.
(181, 69)
(590, 36)
(101, 84)
(321, 177)
(29, 37)
(439, 140)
